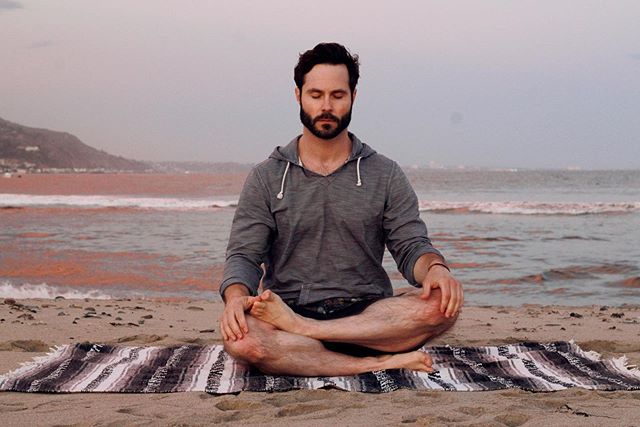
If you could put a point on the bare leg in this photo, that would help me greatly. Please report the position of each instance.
(391, 324)
(278, 352)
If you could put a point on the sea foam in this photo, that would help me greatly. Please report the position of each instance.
(530, 208)
(45, 291)
(105, 201)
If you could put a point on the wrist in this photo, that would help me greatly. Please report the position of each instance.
(438, 263)
(234, 291)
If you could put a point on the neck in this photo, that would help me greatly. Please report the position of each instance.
(324, 150)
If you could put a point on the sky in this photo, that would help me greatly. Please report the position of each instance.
(491, 84)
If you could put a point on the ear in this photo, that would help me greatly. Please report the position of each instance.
(353, 96)
(297, 94)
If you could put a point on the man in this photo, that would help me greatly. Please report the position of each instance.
(318, 214)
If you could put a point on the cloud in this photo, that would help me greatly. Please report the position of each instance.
(10, 5)
(41, 44)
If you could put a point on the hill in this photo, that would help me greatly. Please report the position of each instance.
(42, 150)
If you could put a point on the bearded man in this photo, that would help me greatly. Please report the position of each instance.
(312, 223)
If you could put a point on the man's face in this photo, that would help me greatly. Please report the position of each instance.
(325, 100)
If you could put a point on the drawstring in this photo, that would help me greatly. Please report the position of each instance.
(281, 193)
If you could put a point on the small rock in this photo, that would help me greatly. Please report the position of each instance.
(576, 315)
(207, 331)
(10, 301)
(75, 321)
(563, 328)
(195, 308)
(62, 313)
(118, 318)
(604, 308)
(132, 324)
(26, 316)
(140, 322)
(89, 309)
(147, 316)
(617, 315)
(91, 315)
(613, 327)
(59, 297)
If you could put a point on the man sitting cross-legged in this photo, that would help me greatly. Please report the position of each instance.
(318, 214)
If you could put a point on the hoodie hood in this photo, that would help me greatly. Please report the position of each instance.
(289, 152)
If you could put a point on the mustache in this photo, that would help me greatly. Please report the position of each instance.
(325, 116)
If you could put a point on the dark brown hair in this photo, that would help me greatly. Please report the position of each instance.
(327, 53)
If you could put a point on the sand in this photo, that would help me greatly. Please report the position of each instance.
(29, 327)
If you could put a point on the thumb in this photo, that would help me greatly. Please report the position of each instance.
(426, 291)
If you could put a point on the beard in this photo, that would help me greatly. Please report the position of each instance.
(325, 130)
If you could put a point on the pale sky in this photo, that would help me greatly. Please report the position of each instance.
(534, 84)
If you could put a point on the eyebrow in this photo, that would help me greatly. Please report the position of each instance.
(322, 91)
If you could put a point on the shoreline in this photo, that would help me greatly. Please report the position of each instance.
(31, 326)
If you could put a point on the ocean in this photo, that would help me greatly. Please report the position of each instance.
(513, 237)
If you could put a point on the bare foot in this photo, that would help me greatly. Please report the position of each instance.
(415, 361)
(270, 308)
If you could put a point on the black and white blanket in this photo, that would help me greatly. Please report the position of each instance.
(128, 369)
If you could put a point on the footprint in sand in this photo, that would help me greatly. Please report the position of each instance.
(472, 410)
(236, 404)
(512, 419)
(141, 338)
(30, 346)
(302, 409)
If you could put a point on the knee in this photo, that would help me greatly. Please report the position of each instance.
(247, 349)
(431, 315)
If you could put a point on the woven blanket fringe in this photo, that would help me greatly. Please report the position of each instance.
(35, 362)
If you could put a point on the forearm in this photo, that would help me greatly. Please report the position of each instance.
(422, 265)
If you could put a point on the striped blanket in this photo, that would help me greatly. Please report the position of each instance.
(106, 368)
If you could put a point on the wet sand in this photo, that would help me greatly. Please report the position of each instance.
(141, 184)
(29, 327)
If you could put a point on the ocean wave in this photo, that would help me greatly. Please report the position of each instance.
(45, 291)
(530, 208)
(28, 200)
(168, 203)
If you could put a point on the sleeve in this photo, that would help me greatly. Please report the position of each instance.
(406, 234)
(251, 232)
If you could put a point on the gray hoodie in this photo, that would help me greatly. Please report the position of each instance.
(320, 236)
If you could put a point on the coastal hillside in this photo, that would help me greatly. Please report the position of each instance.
(41, 150)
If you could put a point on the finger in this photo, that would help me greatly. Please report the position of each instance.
(224, 330)
(453, 300)
(233, 324)
(459, 298)
(242, 322)
(446, 295)
(232, 328)
(426, 291)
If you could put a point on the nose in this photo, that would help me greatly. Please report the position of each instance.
(326, 104)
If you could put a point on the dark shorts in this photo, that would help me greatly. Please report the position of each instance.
(337, 308)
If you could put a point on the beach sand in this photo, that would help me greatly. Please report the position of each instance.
(29, 327)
